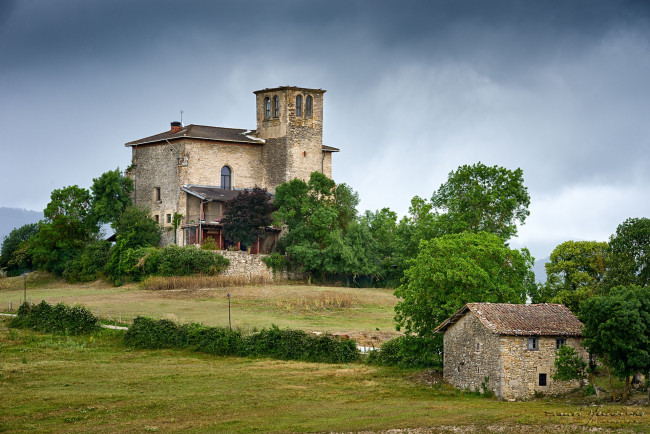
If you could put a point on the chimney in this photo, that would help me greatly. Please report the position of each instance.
(176, 126)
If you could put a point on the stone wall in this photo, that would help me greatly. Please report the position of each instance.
(522, 367)
(205, 160)
(252, 267)
(471, 353)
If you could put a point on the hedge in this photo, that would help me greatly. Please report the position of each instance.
(280, 344)
(62, 319)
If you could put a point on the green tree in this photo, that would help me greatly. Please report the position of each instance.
(576, 271)
(617, 330)
(246, 216)
(11, 245)
(630, 253)
(111, 195)
(322, 234)
(65, 231)
(482, 198)
(456, 269)
(137, 229)
(569, 365)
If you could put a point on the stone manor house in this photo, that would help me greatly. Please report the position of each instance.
(192, 170)
(508, 348)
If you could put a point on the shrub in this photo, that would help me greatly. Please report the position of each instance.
(136, 264)
(276, 262)
(62, 319)
(407, 351)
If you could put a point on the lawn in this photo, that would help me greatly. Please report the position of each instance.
(360, 312)
(78, 384)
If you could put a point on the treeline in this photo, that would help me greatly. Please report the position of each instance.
(68, 241)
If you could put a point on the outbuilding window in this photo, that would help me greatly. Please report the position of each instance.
(533, 344)
(299, 105)
(559, 342)
(308, 108)
(542, 380)
(225, 178)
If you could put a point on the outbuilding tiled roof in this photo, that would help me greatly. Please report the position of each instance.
(211, 193)
(521, 319)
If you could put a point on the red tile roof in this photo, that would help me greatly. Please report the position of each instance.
(521, 319)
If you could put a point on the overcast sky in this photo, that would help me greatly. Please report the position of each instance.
(560, 89)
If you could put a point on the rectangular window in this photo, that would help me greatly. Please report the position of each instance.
(478, 346)
(156, 194)
(156, 218)
(169, 218)
(559, 342)
(542, 379)
(533, 344)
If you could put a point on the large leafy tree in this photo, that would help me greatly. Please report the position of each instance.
(111, 195)
(64, 232)
(456, 269)
(482, 198)
(322, 234)
(617, 330)
(136, 228)
(576, 271)
(12, 245)
(630, 253)
(247, 215)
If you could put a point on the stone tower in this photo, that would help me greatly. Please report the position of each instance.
(290, 120)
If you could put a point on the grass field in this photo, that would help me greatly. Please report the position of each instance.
(77, 384)
(307, 307)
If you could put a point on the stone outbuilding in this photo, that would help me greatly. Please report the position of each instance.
(193, 169)
(508, 348)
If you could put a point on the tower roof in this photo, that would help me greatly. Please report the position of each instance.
(273, 89)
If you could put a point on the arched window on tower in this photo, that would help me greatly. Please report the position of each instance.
(267, 107)
(308, 106)
(225, 178)
(299, 105)
(276, 106)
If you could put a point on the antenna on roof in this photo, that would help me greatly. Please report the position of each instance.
(182, 118)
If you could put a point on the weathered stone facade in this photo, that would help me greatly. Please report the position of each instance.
(286, 145)
(477, 357)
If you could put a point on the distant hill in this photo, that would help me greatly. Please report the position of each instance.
(11, 218)
(540, 271)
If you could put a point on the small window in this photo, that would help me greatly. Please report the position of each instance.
(533, 344)
(169, 218)
(559, 342)
(299, 105)
(308, 107)
(225, 178)
(156, 194)
(542, 380)
(267, 107)
(478, 346)
(156, 218)
(276, 106)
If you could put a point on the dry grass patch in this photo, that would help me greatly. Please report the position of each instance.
(326, 300)
(200, 282)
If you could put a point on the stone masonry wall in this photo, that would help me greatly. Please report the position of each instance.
(159, 166)
(521, 367)
(471, 353)
(253, 268)
(205, 160)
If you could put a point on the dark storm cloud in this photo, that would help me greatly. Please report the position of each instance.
(415, 88)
